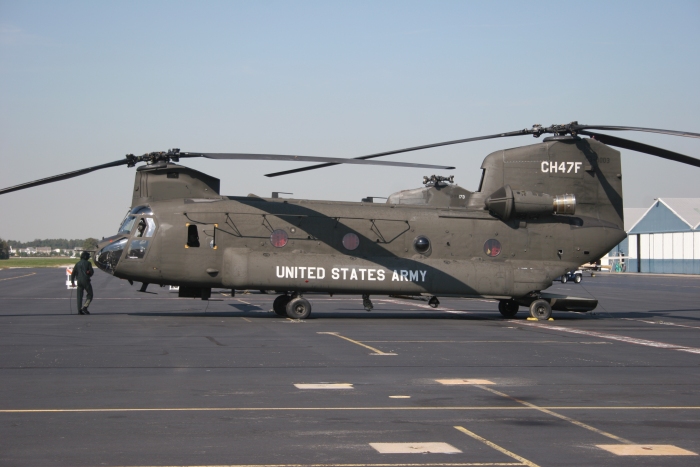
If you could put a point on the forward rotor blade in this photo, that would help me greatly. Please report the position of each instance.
(399, 151)
(65, 176)
(633, 128)
(332, 160)
(645, 148)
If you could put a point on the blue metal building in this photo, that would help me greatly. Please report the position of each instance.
(664, 239)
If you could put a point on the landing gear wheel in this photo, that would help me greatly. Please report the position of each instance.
(578, 278)
(541, 310)
(434, 302)
(280, 305)
(564, 279)
(298, 308)
(508, 308)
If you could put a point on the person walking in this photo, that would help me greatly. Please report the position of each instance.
(83, 271)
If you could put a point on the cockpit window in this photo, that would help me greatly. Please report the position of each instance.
(127, 225)
(141, 210)
(146, 227)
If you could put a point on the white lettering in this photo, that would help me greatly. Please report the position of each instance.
(562, 167)
(334, 274)
(345, 270)
(370, 275)
(362, 272)
(414, 276)
(353, 275)
(545, 167)
(302, 269)
(380, 275)
(552, 167)
(312, 273)
(578, 166)
(320, 273)
(288, 272)
(404, 275)
(423, 273)
(277, 271)
(571, 166)
(395, 277)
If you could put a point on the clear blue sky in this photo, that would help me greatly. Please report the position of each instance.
(83, 83)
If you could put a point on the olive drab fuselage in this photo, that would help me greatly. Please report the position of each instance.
(440, 240)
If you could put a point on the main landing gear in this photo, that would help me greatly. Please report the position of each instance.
(367, 303)
(508, 308)
(294, 306)
(434, 302)
(541, 309)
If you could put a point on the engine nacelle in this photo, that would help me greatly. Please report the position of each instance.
(507, 203)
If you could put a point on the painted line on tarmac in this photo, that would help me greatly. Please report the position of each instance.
(403, 464)
(614, 337)
(16, 277)
(344, 409)
(376, 351)
(554, 414)
(661, 322)
(498, 448)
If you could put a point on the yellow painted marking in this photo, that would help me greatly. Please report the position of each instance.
(554, 414)
(645, 450)
(376, 351)
(450, 382)
(295, 409)
(325, 386)
(415, 448)
(17, 277)
(399, 397)
(243, 301)
(497, 447)
(246, 319)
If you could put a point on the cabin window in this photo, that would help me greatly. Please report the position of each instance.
(351, 241)
(279, 238)
(192, 236)
(492, 247)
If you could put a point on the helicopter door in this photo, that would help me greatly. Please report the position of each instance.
(143, 234)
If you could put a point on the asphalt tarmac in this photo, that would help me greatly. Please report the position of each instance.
(151, 380)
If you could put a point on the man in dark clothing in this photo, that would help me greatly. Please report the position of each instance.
(83, 271)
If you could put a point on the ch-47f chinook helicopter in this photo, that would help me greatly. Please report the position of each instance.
(540, 211)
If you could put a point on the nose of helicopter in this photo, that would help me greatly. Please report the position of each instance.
(109, 252)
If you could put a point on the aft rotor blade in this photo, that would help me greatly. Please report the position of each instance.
(633, 128)
(399, 151)
(645, 148)
(65, 176)
(282, 157)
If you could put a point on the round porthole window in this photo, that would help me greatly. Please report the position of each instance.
(279, 238)
(351, 241)
(492, 247)
(421, 244)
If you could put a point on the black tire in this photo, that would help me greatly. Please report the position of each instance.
(578, 278)
(564, 279)
(280, 305)
(508, 308)
(541, 310)
(298, 308)
(434, 302)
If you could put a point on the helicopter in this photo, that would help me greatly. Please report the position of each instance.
(539, 212)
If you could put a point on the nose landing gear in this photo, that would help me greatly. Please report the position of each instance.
(292, 306)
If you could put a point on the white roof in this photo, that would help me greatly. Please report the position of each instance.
(687, 210)
(632, 216)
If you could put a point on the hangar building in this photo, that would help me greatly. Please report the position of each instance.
(665, 238)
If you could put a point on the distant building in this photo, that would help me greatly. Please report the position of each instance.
(43, 250)
(665, 238)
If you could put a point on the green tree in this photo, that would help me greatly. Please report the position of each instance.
(90, 244)
(4, 249)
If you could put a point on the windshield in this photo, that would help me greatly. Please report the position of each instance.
(127, 225)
